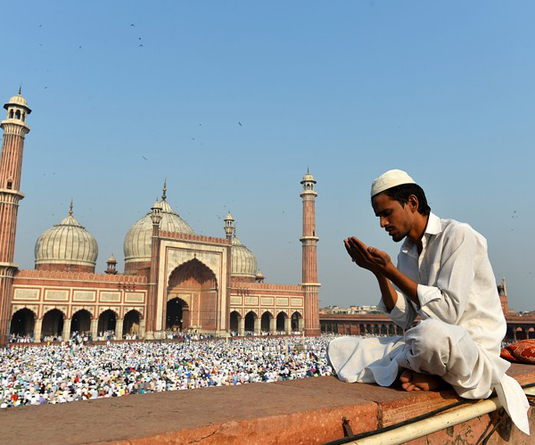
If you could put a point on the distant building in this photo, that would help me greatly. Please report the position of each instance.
(174, 279)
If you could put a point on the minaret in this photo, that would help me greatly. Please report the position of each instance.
(229, 230)
(15, 129)
(502, 292)
(309, 241)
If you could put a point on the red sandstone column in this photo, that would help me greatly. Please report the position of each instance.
(15, 130)
(309, 241)
(229, 229)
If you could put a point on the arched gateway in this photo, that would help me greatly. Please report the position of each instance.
(22, 323)
(192, 296)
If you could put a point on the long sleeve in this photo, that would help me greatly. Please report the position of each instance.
(452, 276)
(403, 313)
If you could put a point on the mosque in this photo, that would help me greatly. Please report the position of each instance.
(174, 279)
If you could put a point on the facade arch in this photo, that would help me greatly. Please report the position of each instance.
(250, 318)
(107, 321)
(265, 323)
(234, 321)
(53, 321)
(281, 321)
(81, 321)
(132, 323)
(196, 284)
(22, 323)
(297, 321)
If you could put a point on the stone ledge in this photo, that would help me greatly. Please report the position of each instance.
(299, 411)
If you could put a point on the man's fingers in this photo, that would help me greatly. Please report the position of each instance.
(359, 246)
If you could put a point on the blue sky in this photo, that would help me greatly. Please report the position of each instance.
(350, 89)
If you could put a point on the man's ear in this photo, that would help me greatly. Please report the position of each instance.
(413, 203)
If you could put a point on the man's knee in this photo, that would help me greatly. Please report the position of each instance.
(431, 343)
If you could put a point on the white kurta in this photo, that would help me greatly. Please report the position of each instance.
(459, 338)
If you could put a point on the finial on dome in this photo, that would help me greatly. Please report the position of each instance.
(70, 210)
(20, 90)
(235, 225)
(164, 195)
(308, 169)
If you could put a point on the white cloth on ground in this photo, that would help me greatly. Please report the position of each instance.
(462, 329)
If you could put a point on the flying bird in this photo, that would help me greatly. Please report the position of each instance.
(240, 124)
(131, 24)
(144, 158)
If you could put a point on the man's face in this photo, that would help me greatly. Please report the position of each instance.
(394, 218)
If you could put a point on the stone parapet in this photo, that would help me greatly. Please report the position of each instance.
(305, 411)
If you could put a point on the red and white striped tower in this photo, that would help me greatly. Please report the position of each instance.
(309, 241)
(15, 129)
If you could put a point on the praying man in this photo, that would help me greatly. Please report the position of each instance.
(444, 276)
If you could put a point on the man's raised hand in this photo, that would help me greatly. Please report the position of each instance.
(366, 257)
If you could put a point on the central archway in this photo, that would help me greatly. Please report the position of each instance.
(196, 285)
(177, 314)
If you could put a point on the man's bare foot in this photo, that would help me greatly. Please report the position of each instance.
(414, 381)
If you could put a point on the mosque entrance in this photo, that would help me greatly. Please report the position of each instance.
(177, 310)
(197, 280)
(52, 324)
(131, 323)
(249, 322)
(81, 322)
(22, 323)
(281, 322)
(107, 321)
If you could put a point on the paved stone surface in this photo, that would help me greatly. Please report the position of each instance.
(301, 411)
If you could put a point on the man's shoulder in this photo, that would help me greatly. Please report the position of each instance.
(458, 229)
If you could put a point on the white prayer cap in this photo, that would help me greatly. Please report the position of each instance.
(389, 179)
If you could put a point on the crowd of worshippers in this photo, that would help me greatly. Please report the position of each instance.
(106, 336)
(110, 335)
(74, 371)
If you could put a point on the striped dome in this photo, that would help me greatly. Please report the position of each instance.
(138, 241)
(66, 243)
(243, 260)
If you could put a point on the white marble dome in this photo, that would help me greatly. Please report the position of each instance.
(18, 100)
(66, 243)
(138, 240)
(243, 261)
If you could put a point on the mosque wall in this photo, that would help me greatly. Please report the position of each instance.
(268, 300)
(43, 291)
